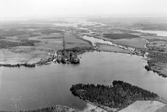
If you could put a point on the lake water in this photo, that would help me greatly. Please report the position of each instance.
(159, 33)
(30, 88)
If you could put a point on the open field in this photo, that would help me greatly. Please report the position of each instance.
(136, 43)
(144, 106)
(133, 42)
(23, 55)
(163, 109)
(49, 45)
(29, 51)
(35, 34)
(157, 45)
(50, 41)
(30, 42)
(72, 41)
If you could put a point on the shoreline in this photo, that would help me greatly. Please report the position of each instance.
(32, 65)
(152, 61)
(135, 51)
(159, 72)
(94, 47)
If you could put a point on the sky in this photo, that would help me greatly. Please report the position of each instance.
(24, 9)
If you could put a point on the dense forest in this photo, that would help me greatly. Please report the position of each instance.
(121, 94)
(7, 44)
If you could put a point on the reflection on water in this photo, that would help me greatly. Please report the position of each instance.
(30, 88)
(1, 72)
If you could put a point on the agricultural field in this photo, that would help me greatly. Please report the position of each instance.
(134, 42)
(72, 41)
(52, 41)
(163, 109)
(30, 42)
(21, 55)
(144, 106)
(157, 43)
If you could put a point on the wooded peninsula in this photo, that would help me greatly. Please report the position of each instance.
(118, 95)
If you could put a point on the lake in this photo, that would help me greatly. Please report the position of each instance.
(31, 88)
(159, 33)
